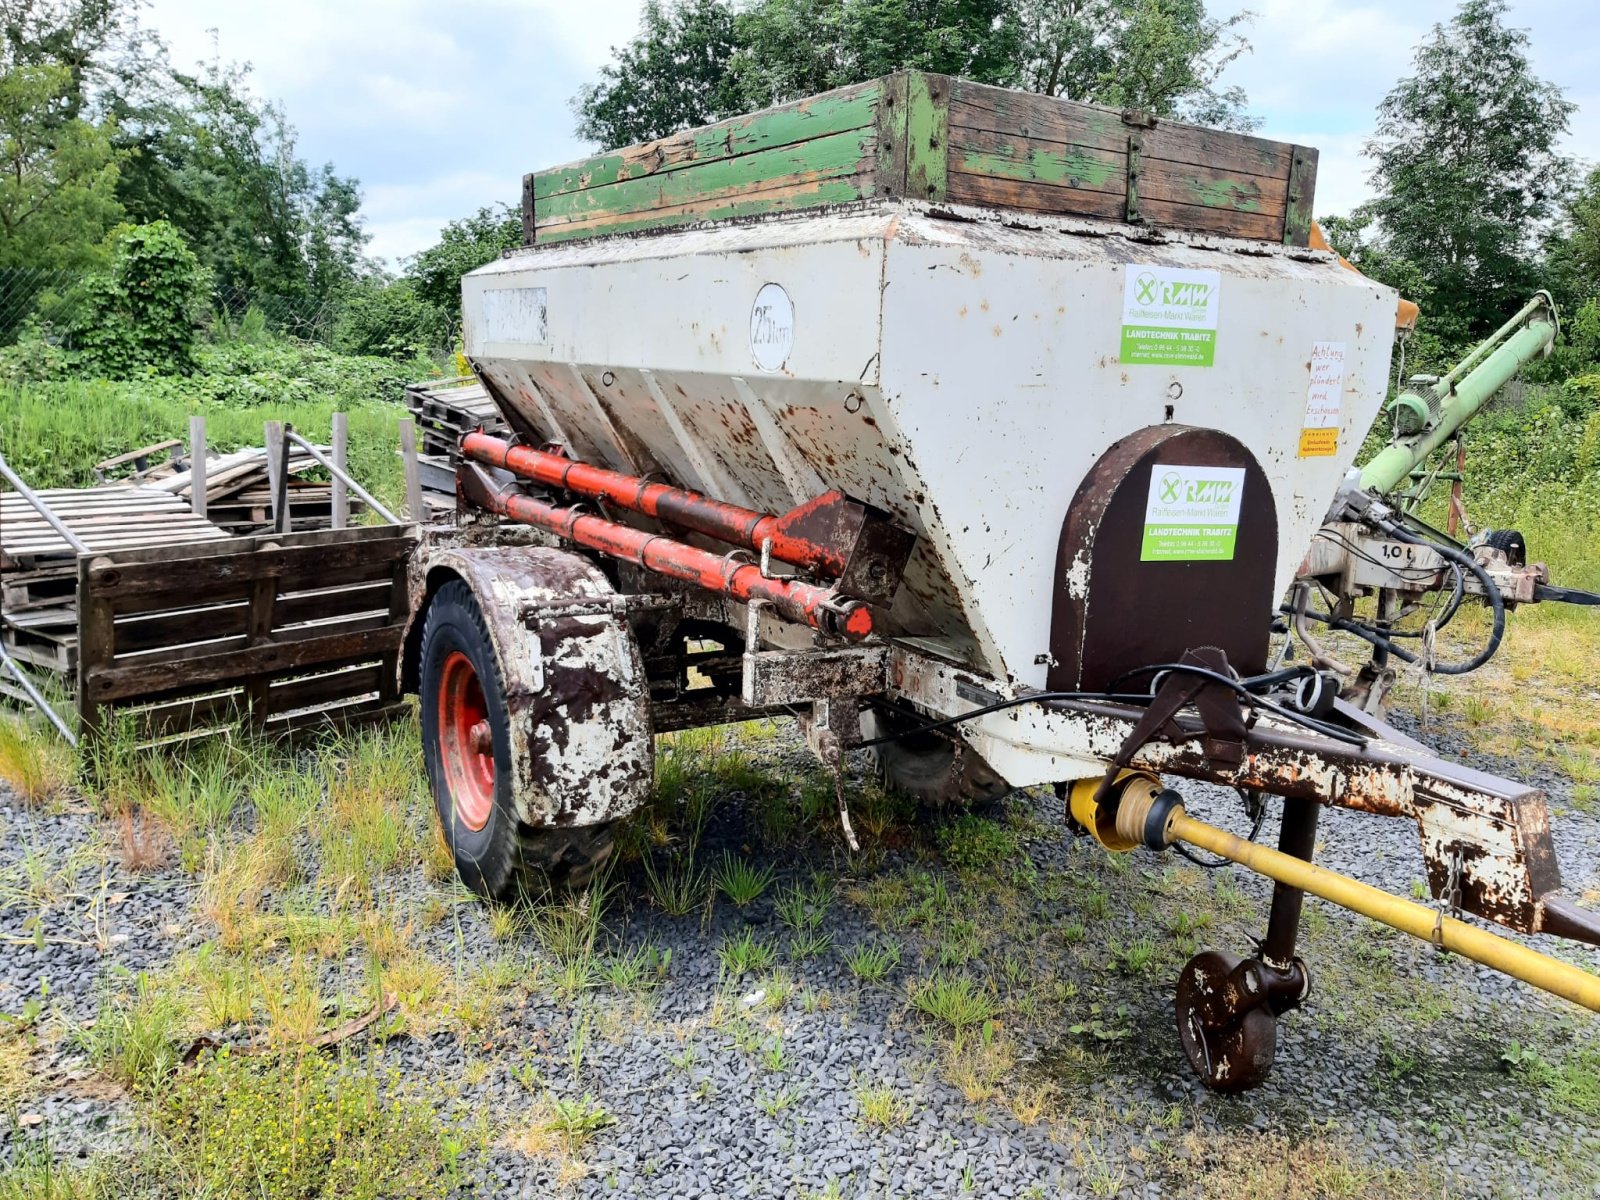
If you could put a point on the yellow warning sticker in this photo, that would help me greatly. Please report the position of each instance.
(1319, 443)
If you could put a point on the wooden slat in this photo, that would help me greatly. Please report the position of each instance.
(104, 684)
(843, 109)
(839, 156)
(785, 196)
(301, 566)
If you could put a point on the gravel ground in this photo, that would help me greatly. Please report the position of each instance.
(716, 1090)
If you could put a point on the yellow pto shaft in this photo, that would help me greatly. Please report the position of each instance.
(1502, 954)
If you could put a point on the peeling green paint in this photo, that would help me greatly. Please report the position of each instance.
(831, 113)
(927, 135)
(838, 154)
(1224, 193)
(837, 191)
(1075, 168)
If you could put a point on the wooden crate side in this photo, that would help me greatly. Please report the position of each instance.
(838, 111)
(261, 633)
(826, 170)
(1022, 150)
(782, 196)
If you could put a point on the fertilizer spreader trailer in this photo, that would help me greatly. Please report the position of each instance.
(988, 431)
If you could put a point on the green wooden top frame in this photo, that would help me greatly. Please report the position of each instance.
(934, 138)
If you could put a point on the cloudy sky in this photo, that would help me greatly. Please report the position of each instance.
(440, 108)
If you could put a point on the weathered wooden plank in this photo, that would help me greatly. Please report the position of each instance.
(986, 190)
(784, 197)
(100, 684)
(927, 136)
(1031, 160)
(838, 111)
(975, 106)
(1222, 221)
(840, 154)
(889, 129)
(1302, 190)
(120, 579)
(154, 631)
(362, 679)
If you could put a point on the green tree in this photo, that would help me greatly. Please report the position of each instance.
(58, 177)
(701, 60)
(1164, 56)
(388, 318)
(673, 74)
(463, 246)
(1467, 171)
(139, 314)
(1574, 250)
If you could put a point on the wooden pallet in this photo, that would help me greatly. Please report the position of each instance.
(928, 137)
(446, 411)
(285, 631)
(105, 519)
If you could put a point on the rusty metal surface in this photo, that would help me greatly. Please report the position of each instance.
(575, 687)
(1113, 611)
(773, 677)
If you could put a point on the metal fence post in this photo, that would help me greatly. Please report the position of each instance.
(277, 473)
(341, 493)
(197, 465)
(408, 455)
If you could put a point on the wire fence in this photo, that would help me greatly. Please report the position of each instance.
(53, 303)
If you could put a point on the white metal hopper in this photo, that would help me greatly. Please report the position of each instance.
(960, 370)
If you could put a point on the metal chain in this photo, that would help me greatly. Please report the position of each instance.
(1449, 898)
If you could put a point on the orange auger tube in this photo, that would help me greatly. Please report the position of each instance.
(821, 608)
(690, 510)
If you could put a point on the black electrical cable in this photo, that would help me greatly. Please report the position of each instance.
(1255, 831)
(1385, 641)
(1241, 688)
(1491, 591)
(1458, 593)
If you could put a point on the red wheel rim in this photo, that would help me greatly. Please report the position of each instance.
(466, 742)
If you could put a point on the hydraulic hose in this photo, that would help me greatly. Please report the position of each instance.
(1497, 604)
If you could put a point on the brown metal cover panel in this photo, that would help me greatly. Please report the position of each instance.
(1125, 613)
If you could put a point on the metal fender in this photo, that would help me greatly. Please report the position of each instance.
(573, 678)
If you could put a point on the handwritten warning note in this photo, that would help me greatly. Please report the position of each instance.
(1319, 432)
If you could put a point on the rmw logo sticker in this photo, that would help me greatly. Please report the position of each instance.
(1176, 489)
(1150, 290)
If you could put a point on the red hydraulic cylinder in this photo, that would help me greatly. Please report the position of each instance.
(691, 510)
(820, 608)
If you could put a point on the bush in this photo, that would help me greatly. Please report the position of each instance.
(388, 320)
(139, 314)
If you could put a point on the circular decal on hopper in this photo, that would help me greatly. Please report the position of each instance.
(771, 327)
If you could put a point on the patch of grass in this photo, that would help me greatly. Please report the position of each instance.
(137, 1037)
(871, 962)
(742, 881)
(34, 762)
(372, 784)
(576, 1121)
(745, 954)
(879, 1106)
(679, 888)
(306, 1125)
(802, 909)
(974, 843)
(954, 1000)
(636, 971)
(1269, 1166)
(809, 944)
(1573, 1083)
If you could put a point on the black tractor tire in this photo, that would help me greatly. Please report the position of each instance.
(924, 767)
(505, 859)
